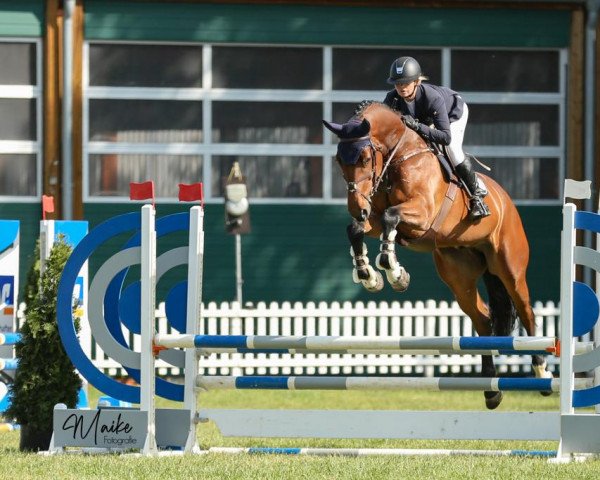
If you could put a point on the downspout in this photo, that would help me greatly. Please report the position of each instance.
(590, 134)
(589, 117)
(67, 112)
(590, 99)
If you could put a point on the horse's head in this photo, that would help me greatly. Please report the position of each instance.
(358, 161)
(357, 155)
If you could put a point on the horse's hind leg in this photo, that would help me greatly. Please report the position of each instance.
(362, 271)
(512, 275)
(460, 269)
(386, 260)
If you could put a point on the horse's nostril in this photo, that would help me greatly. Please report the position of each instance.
(364, 214)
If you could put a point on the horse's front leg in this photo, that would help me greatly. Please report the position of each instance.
(396, 274)
(362, 271)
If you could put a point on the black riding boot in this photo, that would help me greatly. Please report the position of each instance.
(478, 208)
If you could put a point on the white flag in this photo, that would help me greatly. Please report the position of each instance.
(578, 189)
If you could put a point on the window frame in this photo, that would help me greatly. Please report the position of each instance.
(27, 147)
(559, 99)
(326, 96)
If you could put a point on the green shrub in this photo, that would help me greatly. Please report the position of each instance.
(45, 375)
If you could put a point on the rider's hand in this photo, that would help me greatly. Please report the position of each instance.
(411, 123)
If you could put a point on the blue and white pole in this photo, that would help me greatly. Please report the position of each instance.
(344, 344)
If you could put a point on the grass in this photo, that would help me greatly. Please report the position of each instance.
(16, 465)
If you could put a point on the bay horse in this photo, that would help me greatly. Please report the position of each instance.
(398, 191)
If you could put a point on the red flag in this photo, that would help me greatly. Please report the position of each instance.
(47, 205)
(191, 192)
(141, 191)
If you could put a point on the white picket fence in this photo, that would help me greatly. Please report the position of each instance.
(358, 319)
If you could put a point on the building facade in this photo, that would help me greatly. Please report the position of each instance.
(175, 92)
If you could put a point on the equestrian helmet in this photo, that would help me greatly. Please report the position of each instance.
(404, 70)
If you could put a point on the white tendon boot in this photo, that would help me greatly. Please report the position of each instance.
(541, 372)
(396, 274)
(374, 282)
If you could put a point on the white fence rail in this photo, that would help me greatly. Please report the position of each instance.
(358, 319)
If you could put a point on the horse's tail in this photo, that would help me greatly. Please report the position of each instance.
(502, 308)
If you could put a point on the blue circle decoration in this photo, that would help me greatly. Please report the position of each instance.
(585, 309)
(129, 307)
(176, 306)
(119, 304)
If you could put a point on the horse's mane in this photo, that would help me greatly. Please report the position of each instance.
(360, 109)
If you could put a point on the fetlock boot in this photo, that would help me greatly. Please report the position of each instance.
(478, 208)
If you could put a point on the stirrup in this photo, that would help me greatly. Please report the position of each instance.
(478, 209)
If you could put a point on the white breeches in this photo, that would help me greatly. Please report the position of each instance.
(457, 131)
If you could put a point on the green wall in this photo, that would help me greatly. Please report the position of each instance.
(329, 25)
(21, 18)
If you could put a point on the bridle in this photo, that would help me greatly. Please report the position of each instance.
(387, 162)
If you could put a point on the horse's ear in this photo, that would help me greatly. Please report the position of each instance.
(364, 128)
(333, 127)
(352, 129)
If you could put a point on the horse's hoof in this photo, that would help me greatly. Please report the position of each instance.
(399, 287)
(374, 285)
(493, 399)
(401, 283)
(547, 393)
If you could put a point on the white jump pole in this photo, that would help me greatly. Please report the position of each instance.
(147, 319)
(148, 331)
(193, 316)
(567, 273)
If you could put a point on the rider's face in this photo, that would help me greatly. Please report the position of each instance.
(406, 90)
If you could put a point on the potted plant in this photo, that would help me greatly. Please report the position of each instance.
(45, 375)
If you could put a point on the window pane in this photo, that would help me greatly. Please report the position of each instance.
(18, 63)
(342, 112)
(267, 67)
(338, 184)
(505, 71)
(526, 178)
(145, 65)
(17, 119)
(110, 174)
(272, 177)
(18, 174)
(527, 125)
(267, 122)
(138, 121)
(369, 68)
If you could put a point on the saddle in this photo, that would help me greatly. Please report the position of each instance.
(447, 167)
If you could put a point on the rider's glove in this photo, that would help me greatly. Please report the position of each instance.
(412, 123)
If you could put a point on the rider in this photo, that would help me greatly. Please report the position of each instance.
(423, 105)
